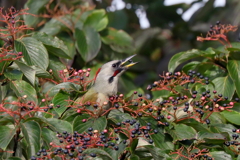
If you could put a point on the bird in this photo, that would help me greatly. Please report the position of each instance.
(106, 83)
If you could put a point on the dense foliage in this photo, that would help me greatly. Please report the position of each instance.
(194, 114)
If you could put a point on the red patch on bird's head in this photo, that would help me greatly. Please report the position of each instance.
(116, 72)
(97, 73)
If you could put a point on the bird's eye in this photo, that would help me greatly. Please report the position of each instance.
(114, 65)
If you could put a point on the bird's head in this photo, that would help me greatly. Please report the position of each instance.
(114, 69)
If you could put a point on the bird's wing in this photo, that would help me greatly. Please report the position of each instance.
(90, 96)
(96, 98)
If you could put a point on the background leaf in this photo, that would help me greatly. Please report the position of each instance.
(97, 124)
(55, 25)
(182, 132)
(58, 125)
(6, 136)
(65, 86)
(97, 20)
(27, 71)
(34, 52)
(13, 74)
(211, 138)
(233, 67)
(118, 40)
(53, 44)
(32, 132)
(157, 153)
(224, 86)
(182, 57)
(34, 8)
(100, 153)
(22, 88)
(220, 155)
(232, 116)
(61, 99)
(88, 43)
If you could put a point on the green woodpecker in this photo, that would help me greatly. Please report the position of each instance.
(106, 83)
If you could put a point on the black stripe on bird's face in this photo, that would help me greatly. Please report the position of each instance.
(117, 68)
(110, 80)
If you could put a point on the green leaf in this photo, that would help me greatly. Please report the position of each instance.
(134, 157)
(157, 153)
(22, 88)
(56, 65)
(69, 42)
(3, 65)
(182, 132)
(34, 52)
(8, 103)
(116, 154)
(55, 25)
(217, 118)
(100, 153)
(182, 57)
(235, 46)
(42, 73)
(224, 86)
(160, 139)
(88, 43)
(61, 99)
(144, 154)
(34, 8)
(97, 20)
(220, 155)
(160, 93)
(190, 66)
(134, 145)
(49, 136)
(14, 158)
(96, 123)
(233, 67)
(211, 138)
(6, 136)
(232, 116)
(220, 128)
(32, 132)
(58, 125)
(66, 86)
(210, 70)
(53, 44)
(236, 107)
(118, 40)
(27, 71)
(117, 116)
(13, 74)
(54, 124)
(196, 125)
(6, 119)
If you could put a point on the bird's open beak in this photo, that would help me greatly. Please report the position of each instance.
(131, 63)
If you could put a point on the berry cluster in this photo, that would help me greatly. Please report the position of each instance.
(234, 143)
(193, 153)
(73, 145)
(24, 108)
(14, 25)
(170, 80)
(218, 33)
(182, 105)
(80, 77)
(133, 130)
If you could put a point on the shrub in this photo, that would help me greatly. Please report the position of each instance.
(193, 114)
